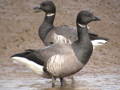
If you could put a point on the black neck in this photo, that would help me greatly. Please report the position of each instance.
(83, 47)
(49, 19)
(82, 33)
(46, 26)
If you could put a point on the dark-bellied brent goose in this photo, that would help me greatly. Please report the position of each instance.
(50, 34)
(60, 60)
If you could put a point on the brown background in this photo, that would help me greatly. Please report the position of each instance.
(19, 31)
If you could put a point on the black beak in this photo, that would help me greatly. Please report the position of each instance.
(37, 7)
(96, 18)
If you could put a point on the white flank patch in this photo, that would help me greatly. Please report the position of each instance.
(50, 14)
(98, 42)
(88, 27)
(54, 65)
(61, 39)
(32, 65)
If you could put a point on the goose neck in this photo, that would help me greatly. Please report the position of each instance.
(49, 18)
(46, 26)
(82, 32)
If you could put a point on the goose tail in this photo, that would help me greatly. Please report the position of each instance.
(29, 59)
(99, 42)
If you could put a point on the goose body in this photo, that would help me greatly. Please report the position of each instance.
(50, 34)
(60, 60)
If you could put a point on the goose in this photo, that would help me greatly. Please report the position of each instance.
(49, 34)
(60, 60)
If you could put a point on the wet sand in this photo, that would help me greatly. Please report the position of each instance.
(19, 31)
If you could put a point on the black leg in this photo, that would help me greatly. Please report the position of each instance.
(53, 81)
(73, 81)
(61, 80)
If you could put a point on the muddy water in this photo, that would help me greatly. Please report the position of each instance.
(19, 31)
(85, 81)
(18, 77)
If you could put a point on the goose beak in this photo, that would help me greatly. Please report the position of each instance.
(37, 9)
(96, 18)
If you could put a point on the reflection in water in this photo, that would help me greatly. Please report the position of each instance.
(64, 88)
(84, 82)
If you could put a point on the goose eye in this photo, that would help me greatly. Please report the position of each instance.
(44, 4)
(88, 15)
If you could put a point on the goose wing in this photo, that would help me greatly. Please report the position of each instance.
(59, 60)
(60, 34)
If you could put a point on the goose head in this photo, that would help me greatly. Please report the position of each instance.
(46, 6)
(84, 17)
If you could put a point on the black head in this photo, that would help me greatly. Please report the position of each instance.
(84, 17)
(46, 6)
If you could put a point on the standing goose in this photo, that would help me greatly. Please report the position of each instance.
(61, 59)
(67, 34)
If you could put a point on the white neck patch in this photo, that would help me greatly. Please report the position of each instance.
(50, 14)
(81, 25)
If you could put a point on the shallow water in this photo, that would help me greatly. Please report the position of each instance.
(82, 81)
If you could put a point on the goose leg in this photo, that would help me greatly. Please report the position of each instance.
(61, 80)
(53, 81)
(73, 81)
